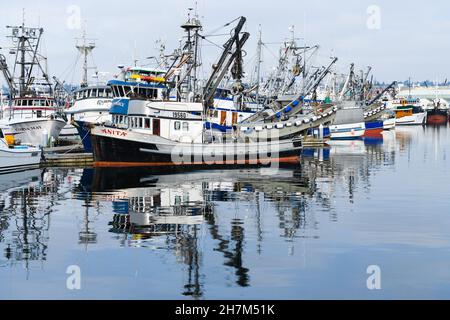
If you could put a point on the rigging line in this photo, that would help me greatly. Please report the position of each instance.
(71, 66)
(270, 51)
(225, 25)
(214, 44)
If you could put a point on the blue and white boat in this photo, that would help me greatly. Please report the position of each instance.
(349, 122)
(91, 106)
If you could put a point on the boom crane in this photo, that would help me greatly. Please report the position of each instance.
(8, 77)
(223, 65)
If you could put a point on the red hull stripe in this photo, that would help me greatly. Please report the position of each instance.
(292, 160)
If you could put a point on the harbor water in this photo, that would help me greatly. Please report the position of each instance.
(306, 232)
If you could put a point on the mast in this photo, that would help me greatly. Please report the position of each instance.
(192, 28)
(26, 44)
(85, 47)
(258, 63)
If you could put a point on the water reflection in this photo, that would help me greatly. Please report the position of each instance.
(26, 203)
(228, 219)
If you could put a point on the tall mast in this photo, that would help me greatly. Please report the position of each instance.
(192, 28)
(258, 63)
(85, 47)
(26, 44)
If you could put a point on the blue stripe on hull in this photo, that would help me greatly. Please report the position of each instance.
(215, 126)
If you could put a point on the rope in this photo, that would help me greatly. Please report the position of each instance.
(78, 145)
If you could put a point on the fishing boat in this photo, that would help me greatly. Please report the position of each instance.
(17, 158)
(172, 134)
(349, 122)
(437, 112)
(158, 131)
(91, 106)
(410, 113)
(32, 112)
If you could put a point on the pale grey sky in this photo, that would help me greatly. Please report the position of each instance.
(413, 38)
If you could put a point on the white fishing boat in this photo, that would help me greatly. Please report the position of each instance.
(32, 111)
(91, 106)
(349, 122)
(17, 158)
(32, 118)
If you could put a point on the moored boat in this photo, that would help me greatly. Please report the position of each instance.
(17, 158)
(437, 112)
(349, 122)
(410, 115)
(32, 112)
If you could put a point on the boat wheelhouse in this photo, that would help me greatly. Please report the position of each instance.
(91, 106)
(32, 117)
(140, 84)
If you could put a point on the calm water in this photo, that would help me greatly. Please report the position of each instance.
(300, 233)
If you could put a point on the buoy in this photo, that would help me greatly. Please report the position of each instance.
(10, 139)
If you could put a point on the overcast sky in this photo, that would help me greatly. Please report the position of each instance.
(410, 38)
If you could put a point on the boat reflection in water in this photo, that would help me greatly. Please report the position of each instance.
(174, 212)
(26, 204)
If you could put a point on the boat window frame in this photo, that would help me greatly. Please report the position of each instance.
(185, 126)
(148, 123)
(177, 125)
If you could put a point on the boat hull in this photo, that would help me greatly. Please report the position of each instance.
(19, 159)
(373, 128)
(84, 132)
(414, 119)
(351, 131)
(31, 132)
(124, 148)
(437, 117)
(389, 124)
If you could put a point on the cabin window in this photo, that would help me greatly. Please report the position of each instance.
(147, 123)
(121, 91)
(39, 113)
(128, 91)
(185, 126)
(108, 93)
(177, 125)
(141, 125)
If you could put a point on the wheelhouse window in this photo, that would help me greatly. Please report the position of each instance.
(185, 126)
(141, 125)
(177, 125)
(147, 123)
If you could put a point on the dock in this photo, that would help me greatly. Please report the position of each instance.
(311, 142)
(66, 156)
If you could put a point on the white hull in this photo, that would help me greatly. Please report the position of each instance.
(19, 159)
(347, 131)
(31, 131)
(389, 124)
(415, 119)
